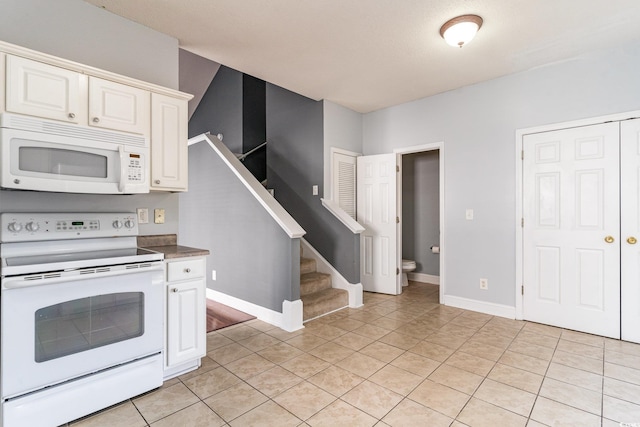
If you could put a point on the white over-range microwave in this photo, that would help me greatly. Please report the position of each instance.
(45, 155)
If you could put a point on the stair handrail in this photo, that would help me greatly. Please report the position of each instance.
(268, 202)
(354, 226)
(243, 156)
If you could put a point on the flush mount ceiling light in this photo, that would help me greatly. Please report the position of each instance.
(461, 29)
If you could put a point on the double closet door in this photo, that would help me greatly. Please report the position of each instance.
(581, 206)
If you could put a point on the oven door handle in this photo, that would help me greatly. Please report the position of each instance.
(21, 282)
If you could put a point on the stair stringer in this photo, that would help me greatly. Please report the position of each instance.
(337, 280)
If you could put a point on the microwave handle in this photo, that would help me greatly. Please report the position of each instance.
(123, 169)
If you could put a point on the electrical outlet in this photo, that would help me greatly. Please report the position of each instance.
(158, 216)
(143, 215)
(315, 190)
(484, 284)
(469, 214)
(213, 275)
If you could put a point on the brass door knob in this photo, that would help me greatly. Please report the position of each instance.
(609, 239)
(632, 240)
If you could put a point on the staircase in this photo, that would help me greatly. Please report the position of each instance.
(317, 295)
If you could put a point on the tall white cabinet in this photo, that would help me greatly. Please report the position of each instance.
(169, 160)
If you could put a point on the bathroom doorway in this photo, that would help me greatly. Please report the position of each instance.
(420, 202)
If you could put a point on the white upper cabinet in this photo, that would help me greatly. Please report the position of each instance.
(169, 150)
(42, 85)
(119, 107)
(43, 90)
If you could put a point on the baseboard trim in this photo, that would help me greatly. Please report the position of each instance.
(337, 280)
(290, 319)
(424, 278)
(481, 306)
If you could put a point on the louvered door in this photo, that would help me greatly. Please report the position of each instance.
(344, 182)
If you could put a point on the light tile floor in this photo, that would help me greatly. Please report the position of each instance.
(398, 361)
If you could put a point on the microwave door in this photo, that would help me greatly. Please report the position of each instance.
(48, 156)
(50, 163)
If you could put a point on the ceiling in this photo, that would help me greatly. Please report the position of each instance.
(371, 54)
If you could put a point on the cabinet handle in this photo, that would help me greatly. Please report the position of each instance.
(187, 270)
(174, 290)
(71, 115)
(157, 181)
(96, 120)
(609, 239)
(632, 240)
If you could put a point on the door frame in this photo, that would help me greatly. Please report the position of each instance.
(439, 146)
(520, 133)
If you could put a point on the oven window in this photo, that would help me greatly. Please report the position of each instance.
(86, 323)
(62, 162)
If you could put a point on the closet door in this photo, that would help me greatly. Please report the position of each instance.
(571, 229)
(630, 228)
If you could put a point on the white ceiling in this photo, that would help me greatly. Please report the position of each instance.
(371, 54)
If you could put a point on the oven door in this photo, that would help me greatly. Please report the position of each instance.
(57, 329)
(70, 164)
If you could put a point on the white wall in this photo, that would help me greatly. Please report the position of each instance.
(342, 128)
(478, 124)
(75, 30)
(78, 31)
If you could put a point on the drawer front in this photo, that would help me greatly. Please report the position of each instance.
(187, 269)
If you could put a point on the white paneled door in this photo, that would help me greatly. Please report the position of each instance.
(377, 212)
(630, 228)
(571, 206)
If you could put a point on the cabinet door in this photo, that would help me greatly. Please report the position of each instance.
(169, 161)
(43, 90)
(119, 107)
(186, 321)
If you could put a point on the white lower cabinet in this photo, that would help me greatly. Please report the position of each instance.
(186, 334)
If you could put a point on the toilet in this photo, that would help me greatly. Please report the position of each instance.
(407, 266)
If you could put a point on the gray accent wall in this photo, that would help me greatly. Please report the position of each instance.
(254, 259)
(220, 110)
(234, 105)
(421, 210)
(478, 126)
(295, 154)
(78, 31)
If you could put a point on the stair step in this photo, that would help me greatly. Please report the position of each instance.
(322, 302)
(314, 282)
(307, 265)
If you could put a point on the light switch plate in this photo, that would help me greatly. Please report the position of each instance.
(469, 214)
(158, 216)
(143, 215)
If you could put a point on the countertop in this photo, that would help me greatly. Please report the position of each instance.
(168, 245)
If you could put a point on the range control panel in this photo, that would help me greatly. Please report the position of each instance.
(25, 227)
